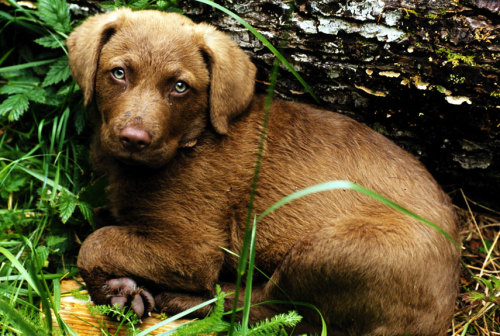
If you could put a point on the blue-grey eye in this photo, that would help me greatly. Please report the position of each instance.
(118, 73)
(180, 87)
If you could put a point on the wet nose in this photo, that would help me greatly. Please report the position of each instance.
(134, 139)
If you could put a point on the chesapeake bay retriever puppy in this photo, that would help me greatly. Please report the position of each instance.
(178, 134)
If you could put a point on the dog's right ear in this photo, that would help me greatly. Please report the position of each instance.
(85, 44)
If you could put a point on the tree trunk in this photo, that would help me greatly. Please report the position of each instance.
(424, 73)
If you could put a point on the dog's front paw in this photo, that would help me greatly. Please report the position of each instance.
(124, 291)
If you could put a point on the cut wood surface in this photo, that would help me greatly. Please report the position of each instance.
(75, 312)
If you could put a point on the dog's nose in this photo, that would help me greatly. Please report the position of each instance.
(134, 139)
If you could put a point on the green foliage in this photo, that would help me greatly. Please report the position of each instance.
(55, 14)
(165, 5)
(14, 106)
(128, 319)
(214, 323)
(43, 166)
(273, 326)
(491, 291)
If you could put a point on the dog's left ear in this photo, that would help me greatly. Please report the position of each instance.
(232, 77)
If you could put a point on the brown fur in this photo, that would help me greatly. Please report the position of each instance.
(370, 269)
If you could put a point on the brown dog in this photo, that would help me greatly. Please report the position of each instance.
(178, 137)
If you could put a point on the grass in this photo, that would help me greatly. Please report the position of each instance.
(477, 311)
(47, 190)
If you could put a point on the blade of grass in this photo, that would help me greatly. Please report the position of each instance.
(26, 65)
(20, 268)
(33, 282)
(176, 317)
(339, 184)
(248, 284)
(242, 262)
(18, 319)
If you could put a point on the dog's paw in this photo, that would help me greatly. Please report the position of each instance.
(125, 292)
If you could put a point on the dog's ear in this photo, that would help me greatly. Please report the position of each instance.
(232, 77)
(85, 44)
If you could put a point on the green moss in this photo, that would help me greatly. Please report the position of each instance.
(457, 79)
(455, 58)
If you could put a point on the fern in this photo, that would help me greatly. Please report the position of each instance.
(276, 325)
(14, 106)
(58, 72)
(67, 203)
(50, 41)
(55, 13)
(125, 315)
(212, 323)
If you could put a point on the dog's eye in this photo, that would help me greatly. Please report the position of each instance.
(118, 73)
(180, 87)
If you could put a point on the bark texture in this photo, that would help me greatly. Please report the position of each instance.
(424, 73)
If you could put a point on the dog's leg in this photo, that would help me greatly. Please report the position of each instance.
(173, 303)
(118, 262)
(368, 277)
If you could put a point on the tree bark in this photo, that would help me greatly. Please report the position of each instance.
(424, 73)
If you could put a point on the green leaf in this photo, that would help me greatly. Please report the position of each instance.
(14, 182)
(50, 41)
(496, 282)
(87, 211)
(14, 106)
(110, 5)
(42, 256)
(54, 240)
(275, 324)
(138, 4)
(59, 242)
(29, 86)
(476, 296)
(19, 85)
(58, 72)
(66, 205)
(53, 98)
(55, 13)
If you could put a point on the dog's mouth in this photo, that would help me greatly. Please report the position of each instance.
(148, 157)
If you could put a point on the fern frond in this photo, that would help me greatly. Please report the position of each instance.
(212, 323)
(276, 325)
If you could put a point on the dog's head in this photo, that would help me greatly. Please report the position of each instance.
(157, 80)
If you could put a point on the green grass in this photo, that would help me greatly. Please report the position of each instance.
(48, 191)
